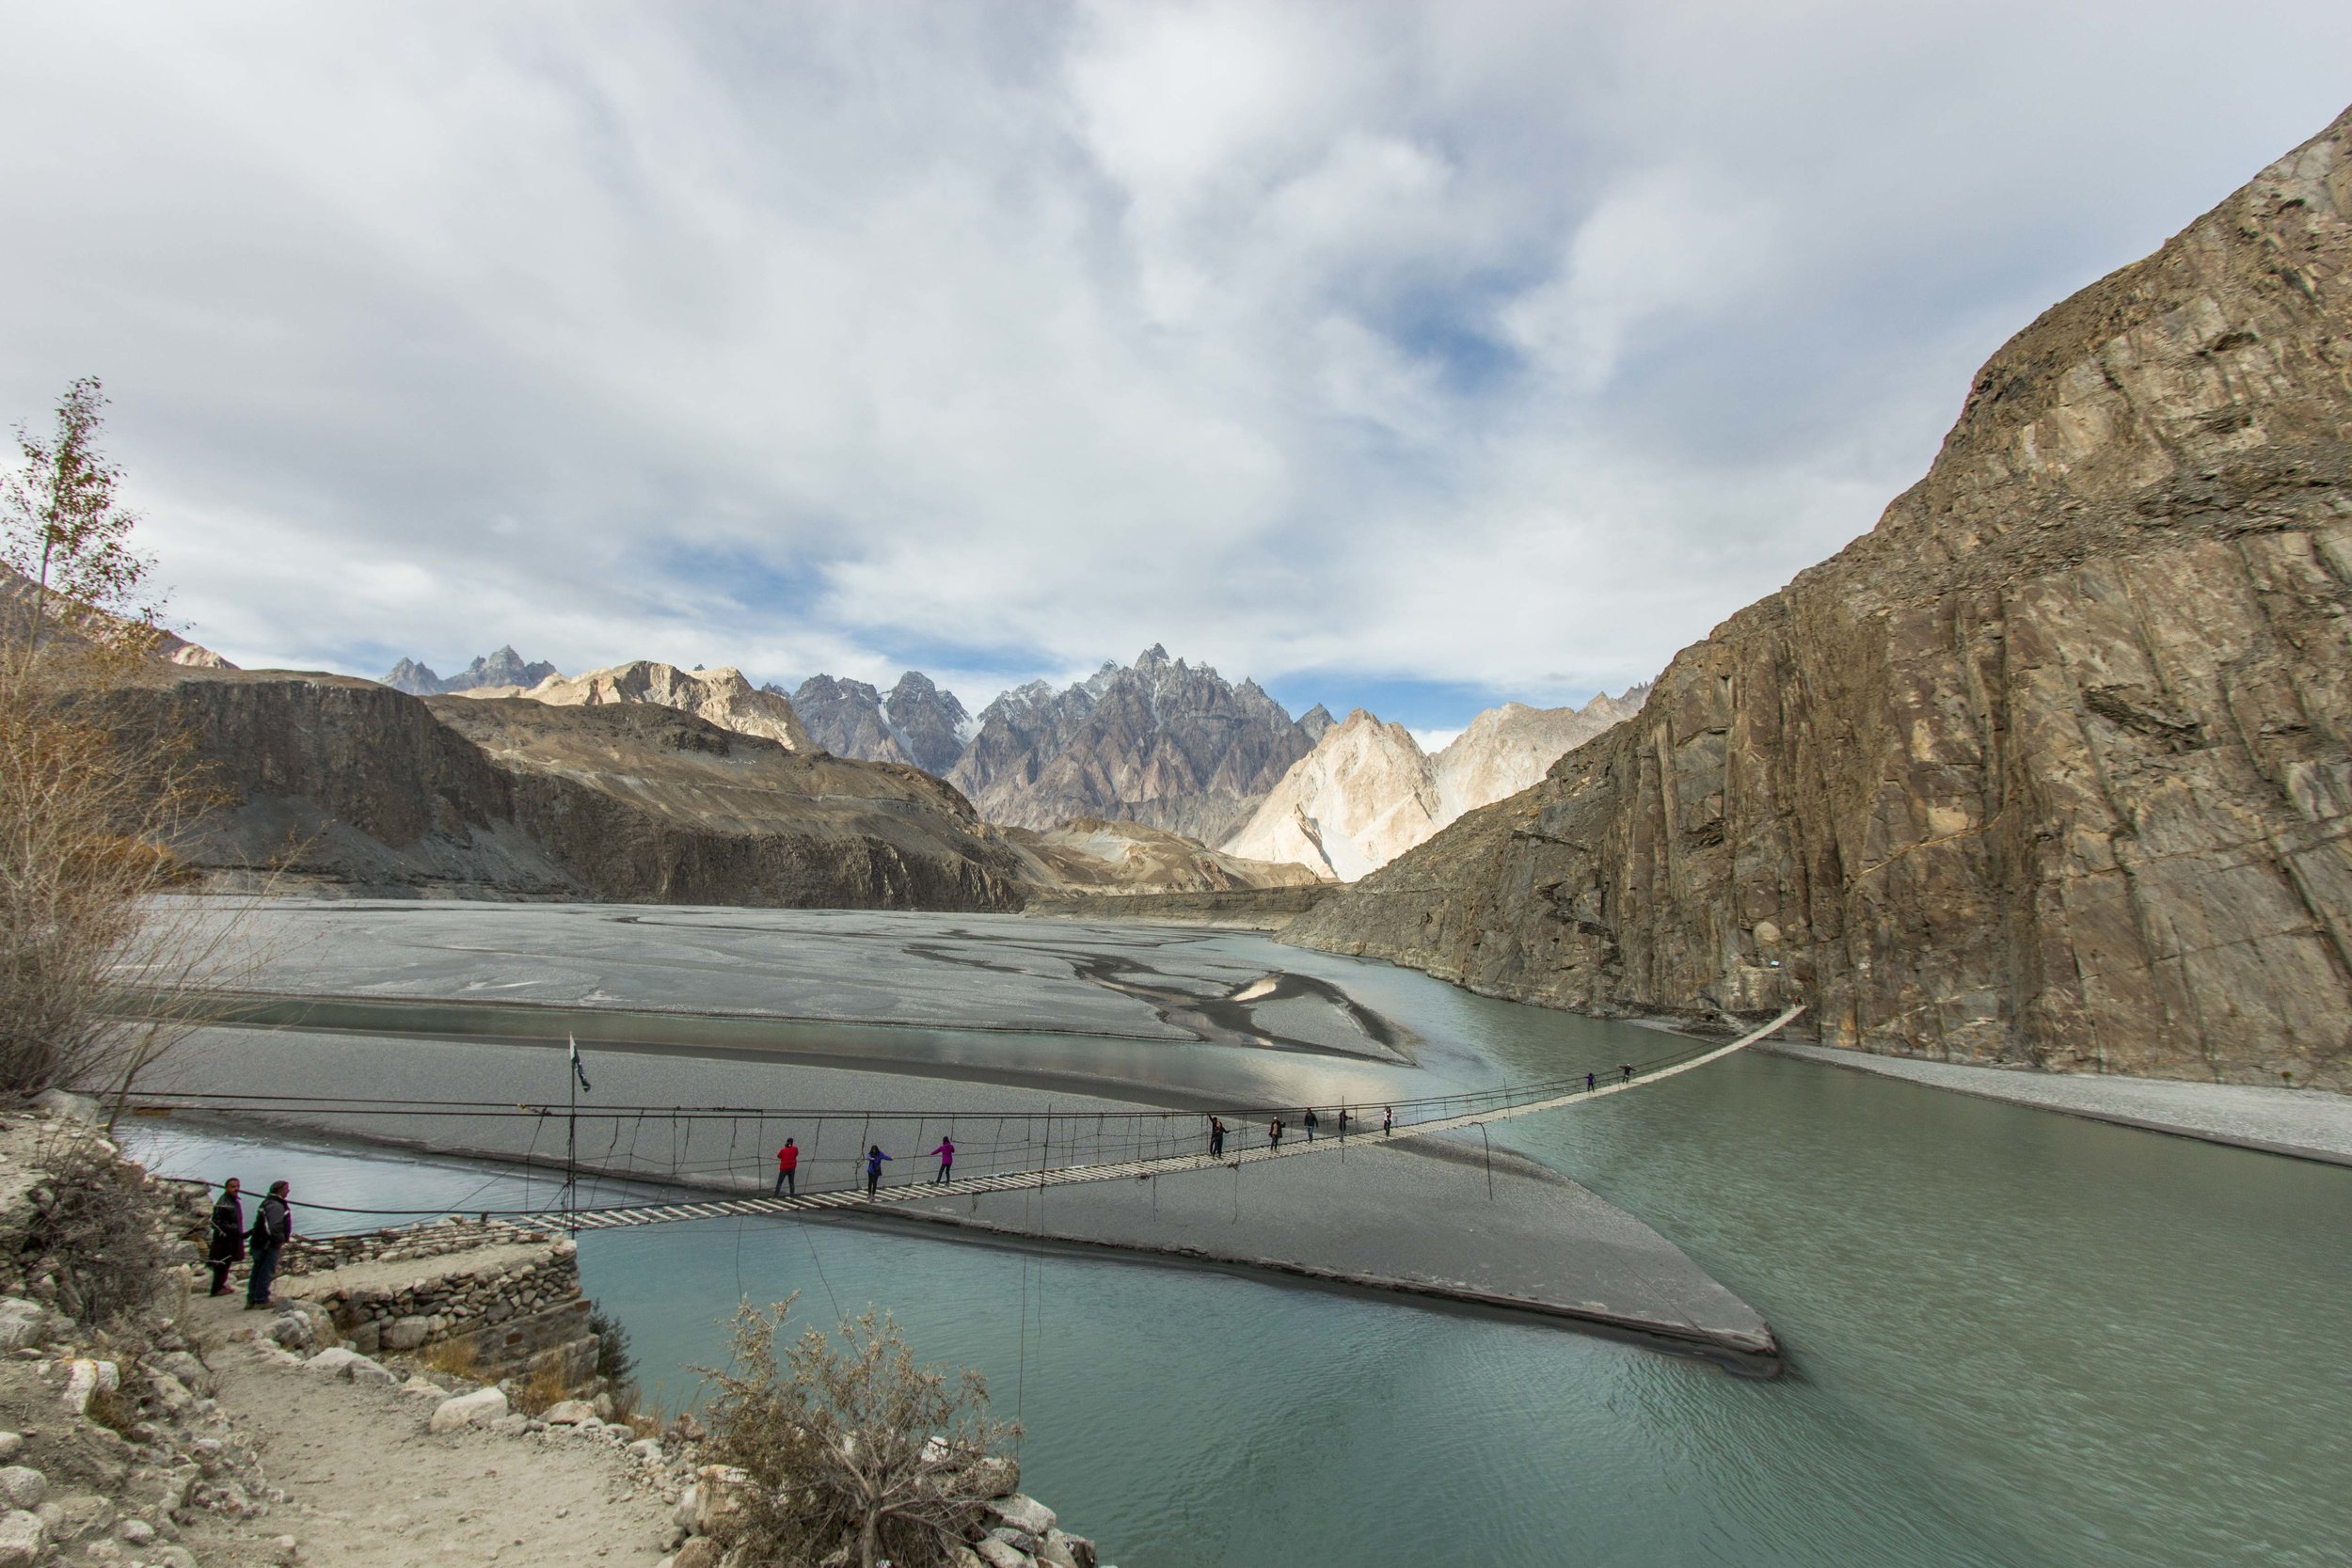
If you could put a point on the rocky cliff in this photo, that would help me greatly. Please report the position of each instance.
(2050, 768)
(1367, 792)
(916, 723)
(348, 782)
(1162, 743)
(1092, 856)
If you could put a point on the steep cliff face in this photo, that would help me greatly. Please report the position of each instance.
(347, 781)
(2051, 767)
(1163, 743)
(1092, 856)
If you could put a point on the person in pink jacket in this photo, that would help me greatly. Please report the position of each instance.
(946, 1152)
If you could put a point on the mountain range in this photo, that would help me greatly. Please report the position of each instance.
(1367, 792)
(504, 667)
(917, 724)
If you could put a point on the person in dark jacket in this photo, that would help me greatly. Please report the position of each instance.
(1309, 1122)
(874, 1158)
(1274, 1134)
(227, 1242)
(1216, 1138)
(272, 1228)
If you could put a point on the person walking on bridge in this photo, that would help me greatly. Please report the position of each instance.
(227, 1236)
(1309, 1122)
(874, 1158)
(1274, 1134)
(1388, 1120)
(946, 1154)
(272, 1228)
(1216, 1138)
(788, 1169)
(1343, 1124)
(1627, 1069)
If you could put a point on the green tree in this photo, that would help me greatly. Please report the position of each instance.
(66, 530)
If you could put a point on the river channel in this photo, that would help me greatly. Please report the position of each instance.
(2013, 1337)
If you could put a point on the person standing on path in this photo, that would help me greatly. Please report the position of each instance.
(1216, 1138)
(946, 1153)
(1626, 1067)
(874, 1158)
(272, 1228)
(1343, 1124)
(788, 1169)
(1309, 1119)
(228, 1237)
(1388, 1120)
(1274, 1134)
(1588, 1082)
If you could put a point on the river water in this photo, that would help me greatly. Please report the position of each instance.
(2014, 1337)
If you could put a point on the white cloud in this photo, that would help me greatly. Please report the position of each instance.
(1502, 347)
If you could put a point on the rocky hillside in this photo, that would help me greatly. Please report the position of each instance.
(504, 667)
(722, 697)
(1160, 742)
(1089, 855)
(1367, 792)
(916, 723)
(70, 620)
(2050, 768)
(348, 782)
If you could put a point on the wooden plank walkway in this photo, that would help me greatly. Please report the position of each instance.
(1058, 1176)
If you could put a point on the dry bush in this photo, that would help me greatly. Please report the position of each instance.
(544, 1389)
(85, 1241)
(850, 1444)
(452, 1358)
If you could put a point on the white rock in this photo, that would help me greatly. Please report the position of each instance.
(23, 1486)
(171, 1557)
(138, 1532)
(1023, 1514)
(20, 1539)
(285, 1549)
(170, 1392)
(479, 1408)
(569, 1413)
(351, 1367)
(10, 1445)
(997, 1555)
(86, 1378)
(646, 1449)
(405, 1334)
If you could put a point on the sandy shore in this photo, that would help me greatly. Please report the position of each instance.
(2308, 1124)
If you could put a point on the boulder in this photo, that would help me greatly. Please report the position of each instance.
(479, 1408)
(189, 1370)
(1022, 1512)
(170, 1391)
(20, 1539)
(23, 1486)
(405, 1333)
(21, 1322)
(997, 1555)
(1067, 1551)
(714, 1493)
(569, 1413)
(10, 1445)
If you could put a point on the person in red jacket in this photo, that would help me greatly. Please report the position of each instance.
(787, 1162)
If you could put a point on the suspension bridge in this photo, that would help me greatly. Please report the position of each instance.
(1082, 1159)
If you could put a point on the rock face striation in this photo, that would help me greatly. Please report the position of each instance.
(1367, 792)
(504, 667)
(1161, 743)
(2050, 768)
(342, 781)
(1089, 855)
(916, 723)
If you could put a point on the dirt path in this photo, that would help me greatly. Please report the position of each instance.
(368, 1487)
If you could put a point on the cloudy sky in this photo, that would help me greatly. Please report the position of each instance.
(1409, 356)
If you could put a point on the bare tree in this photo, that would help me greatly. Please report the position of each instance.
(100, 971)
(850, 1444)
(66, 530)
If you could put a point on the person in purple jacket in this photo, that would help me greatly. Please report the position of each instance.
(874, 1158)
(946, 1154)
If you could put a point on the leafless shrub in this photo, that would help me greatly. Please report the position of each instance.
(849, 1444)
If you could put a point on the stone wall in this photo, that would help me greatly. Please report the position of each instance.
(505, 1299)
